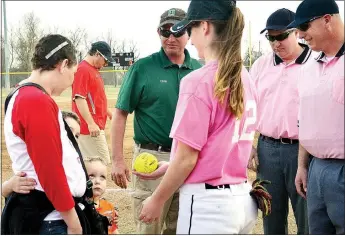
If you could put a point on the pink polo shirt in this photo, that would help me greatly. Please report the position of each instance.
(207, 126)
(276, 83)
(321, 111)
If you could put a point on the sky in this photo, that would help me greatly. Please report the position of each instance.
(137, 20)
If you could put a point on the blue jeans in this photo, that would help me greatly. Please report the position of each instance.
(278, 164)
(53, 227)
(325, 196)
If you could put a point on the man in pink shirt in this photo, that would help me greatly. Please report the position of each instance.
(213, 130)
(275, 77)
(321, 116)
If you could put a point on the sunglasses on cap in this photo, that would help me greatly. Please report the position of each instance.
(305, 26)
(105, 59)
(279, 37)
(166, 33)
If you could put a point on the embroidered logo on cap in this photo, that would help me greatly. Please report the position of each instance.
(171, 12)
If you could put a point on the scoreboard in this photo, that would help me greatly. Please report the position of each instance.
(123, 59)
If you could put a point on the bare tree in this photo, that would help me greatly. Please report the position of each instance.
(54, 30)
(132, 47)
(128, 46)
(111, 40)
(76, 36)
(2, 54)
(121, 47)
(250, 57)
(87, 43)
(11, 48)
(27, 36)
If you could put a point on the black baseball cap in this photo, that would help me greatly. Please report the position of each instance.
(200, 10)
(172, 16)
(309, 9)
(104, 49)
(279, 20)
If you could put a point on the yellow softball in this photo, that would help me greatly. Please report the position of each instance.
(145, 163)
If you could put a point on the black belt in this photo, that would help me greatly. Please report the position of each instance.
(281, 140)
(222, 186)
(155, 147)
(208, 186)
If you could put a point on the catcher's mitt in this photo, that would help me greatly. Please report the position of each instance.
(261, 196)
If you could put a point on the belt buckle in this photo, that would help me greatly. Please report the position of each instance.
(281, 140)
(221, 186)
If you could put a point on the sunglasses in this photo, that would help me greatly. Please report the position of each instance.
(105, 59)
(166, 33)
(279, 37)
(305, 26)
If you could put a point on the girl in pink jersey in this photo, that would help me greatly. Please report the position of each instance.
(212, 131)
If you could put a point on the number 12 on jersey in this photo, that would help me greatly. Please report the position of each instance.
(244, 135)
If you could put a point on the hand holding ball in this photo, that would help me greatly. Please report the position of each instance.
(145, 163)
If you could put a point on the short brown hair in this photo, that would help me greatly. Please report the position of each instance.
(46, 45)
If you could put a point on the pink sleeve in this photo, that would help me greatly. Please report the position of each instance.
(191, 122)
(39, 127)
(254, 73)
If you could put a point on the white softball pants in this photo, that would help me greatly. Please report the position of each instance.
(216, 211)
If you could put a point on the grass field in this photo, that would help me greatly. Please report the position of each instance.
(121, 198)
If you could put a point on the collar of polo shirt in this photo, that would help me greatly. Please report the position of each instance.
(300, 60)
(321, 57)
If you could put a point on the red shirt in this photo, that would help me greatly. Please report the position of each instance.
(88, 84)
(34, 130)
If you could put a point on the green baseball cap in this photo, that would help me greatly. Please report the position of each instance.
(200, 10)
(172, 16)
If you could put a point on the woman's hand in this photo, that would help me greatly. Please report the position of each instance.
(151, 210)
(77, 230)
(72, 221)
(22, 184)
(159, 172)
(19, 184)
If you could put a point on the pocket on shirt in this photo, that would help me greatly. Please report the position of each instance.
(338, 90)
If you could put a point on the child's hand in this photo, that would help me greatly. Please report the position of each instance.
(116, 216)
(113, 216)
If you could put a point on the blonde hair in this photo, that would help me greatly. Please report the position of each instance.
(228, 76)
(94, 159)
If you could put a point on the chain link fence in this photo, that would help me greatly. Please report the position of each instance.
(110, 77)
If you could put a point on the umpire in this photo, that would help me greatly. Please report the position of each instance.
(275, 76)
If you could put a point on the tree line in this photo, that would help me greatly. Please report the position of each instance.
(23, 38)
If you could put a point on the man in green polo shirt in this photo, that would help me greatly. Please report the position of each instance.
(150, 89)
